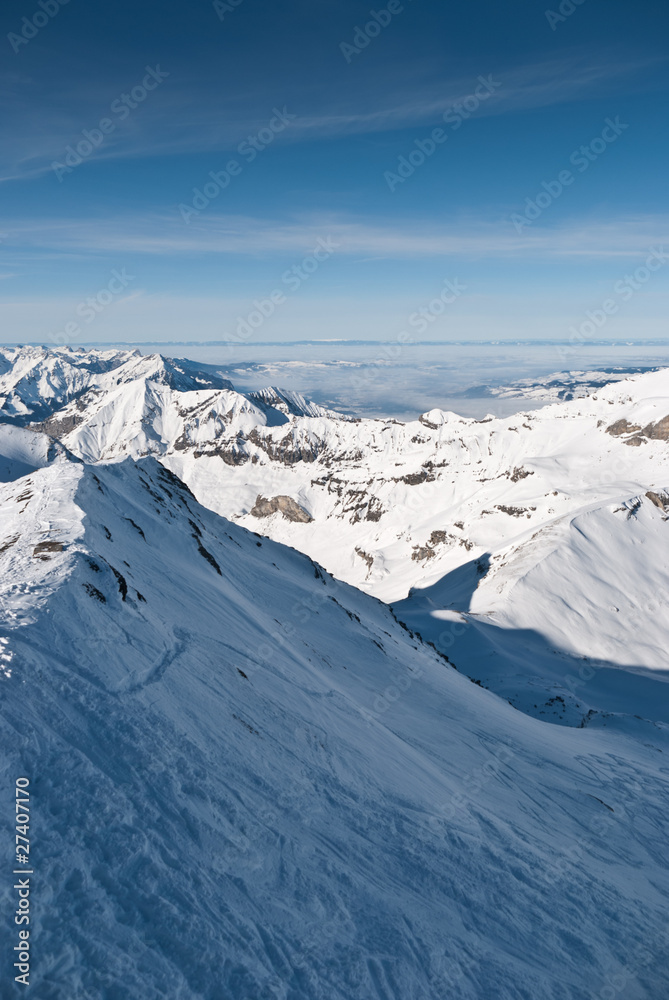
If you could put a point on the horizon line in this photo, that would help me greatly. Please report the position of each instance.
(502, 342)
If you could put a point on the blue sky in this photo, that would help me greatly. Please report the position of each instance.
(115, 116)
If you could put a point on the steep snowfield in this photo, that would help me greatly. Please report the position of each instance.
(610, 564)
(249, 781)
(23, 451)
(569, 623)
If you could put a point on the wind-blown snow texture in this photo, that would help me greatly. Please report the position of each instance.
(250, 781)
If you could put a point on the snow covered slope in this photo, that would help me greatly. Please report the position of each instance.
(23, 451)
(248, 781)
(391, 507)
(569, 623)
(404, 503)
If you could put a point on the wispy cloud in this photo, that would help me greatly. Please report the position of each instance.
(464, 238)
(535, 85)
(182, 120)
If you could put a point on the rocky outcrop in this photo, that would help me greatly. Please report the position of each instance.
(660, 500)
(422, 553)
(658, 431)
(264, 506)
(621, 427)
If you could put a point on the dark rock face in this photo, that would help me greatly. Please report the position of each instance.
(264, 506)
(43, 549)
(658, 431)
(416, 478)
(365, 556)
(58, 427)
(660, 500)
(422, 553)
(622, 427)
(651, 432)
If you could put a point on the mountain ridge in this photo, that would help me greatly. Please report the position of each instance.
(248, 780)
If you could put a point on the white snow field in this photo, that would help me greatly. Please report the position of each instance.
(252, 780)
(249, 782)
(539, 528)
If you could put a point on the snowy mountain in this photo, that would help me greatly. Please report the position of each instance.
(35, 381)
(443, 516)
(570, 624)
(558, 386)
(249, 781)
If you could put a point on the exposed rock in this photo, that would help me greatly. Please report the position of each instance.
(658, 431)
(365, 556)
(440, 537)
(288, 450)
(374, 511)
(8, 544)
(422, 553)
(416, 478)
(519, 474)
(58, 427)
(651, 432)
(660, 500)
(43, 550)
(621, 427)
(513, 511)
(264, 506)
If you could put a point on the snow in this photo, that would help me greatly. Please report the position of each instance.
(23, 451)
(34, 381)
(561, 385)
(254, 783)
(251, 778)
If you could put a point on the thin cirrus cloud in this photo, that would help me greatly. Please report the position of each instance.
(180, 120)
(626, 236)
(522, 88)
